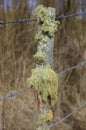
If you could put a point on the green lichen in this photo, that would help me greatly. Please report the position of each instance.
(48, 24)
(41, 13)
(39, 57)
(38, 37)
(41, 121)
(49, 27)
(49, 115)
(45, 82)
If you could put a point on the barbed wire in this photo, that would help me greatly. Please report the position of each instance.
(70, 15)
(17, 21)
(73, 112)
(81, 106)
(12, 94)
(33, 20)
(71, 68)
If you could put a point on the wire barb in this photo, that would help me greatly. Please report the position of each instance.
(35, 20)
(70, 15)
(73, 112)
(17, 21)
(12, 94)
(71, 68)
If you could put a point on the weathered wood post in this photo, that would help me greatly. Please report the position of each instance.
(44, 80)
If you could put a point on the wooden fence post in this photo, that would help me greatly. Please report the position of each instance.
(44, 79)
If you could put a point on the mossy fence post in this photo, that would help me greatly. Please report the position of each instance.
(43, 79)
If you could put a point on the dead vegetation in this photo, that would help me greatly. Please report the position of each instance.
(16, 49)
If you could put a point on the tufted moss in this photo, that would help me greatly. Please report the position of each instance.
(41, 13)
(49, 25)
(49, 115)
(38, 37)
(45, 82)
(39, 57)
(41, 120)
(44, 118)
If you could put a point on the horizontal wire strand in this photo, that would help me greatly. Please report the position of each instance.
(17, 21)
(80, 106)
(34, 20)
(12, 94)
(73, 112)
(70, 15)
(71, 68)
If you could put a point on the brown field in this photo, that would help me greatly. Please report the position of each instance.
(17, 47)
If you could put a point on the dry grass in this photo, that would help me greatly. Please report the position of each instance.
(16, 49)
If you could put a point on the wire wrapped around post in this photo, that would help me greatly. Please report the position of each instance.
(44, 79)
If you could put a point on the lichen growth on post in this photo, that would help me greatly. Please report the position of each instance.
(38, 37)
(49, 115)
(45, 82)
(43, 78)
(39, 57)
(43, 118)
(49, 25)
(41, 13)
(41, 121)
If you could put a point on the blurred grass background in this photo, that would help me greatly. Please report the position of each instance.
(16, 61)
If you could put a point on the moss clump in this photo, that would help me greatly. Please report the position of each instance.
(39, 57)
(45, 82)
(41, 121)
(38, 37)
(41, 13)
(49, 25)
(49, 115)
